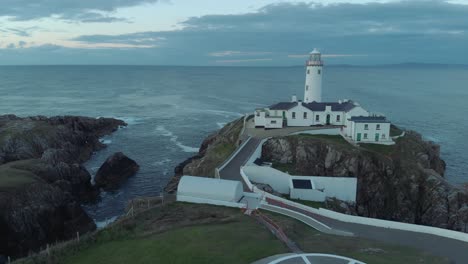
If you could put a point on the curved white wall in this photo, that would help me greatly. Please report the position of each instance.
(209, 188)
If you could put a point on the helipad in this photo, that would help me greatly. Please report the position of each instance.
(307, 258)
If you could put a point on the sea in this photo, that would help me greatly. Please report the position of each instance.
(171, 109)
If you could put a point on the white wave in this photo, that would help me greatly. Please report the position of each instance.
(162, 162)
(105, 141)
(221, 124)
(131, 120)
(173, 138)
(102, 224)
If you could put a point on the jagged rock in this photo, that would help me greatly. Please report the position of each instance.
(48, 153)
(115, 170)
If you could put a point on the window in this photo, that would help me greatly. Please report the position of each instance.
(365, 135)
(308, 71)
(307, 87)
(378, 127)
(258, 113)
(318, 71)
(305, 115)
(293, 115)
(317, 118)
(366, 127)
(383, 136)
(273, 121)
(338, 118)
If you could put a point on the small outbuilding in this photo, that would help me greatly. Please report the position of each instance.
(209, 189)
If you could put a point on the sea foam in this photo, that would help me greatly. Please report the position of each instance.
(173, 138)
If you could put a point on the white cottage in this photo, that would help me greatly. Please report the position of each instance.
(357, 123)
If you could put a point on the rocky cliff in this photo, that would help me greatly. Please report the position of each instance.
(403, 182)
(42, 181)
(215, 149)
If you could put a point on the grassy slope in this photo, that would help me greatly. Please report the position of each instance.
(176, 233)
(188, 233)
(15, 174)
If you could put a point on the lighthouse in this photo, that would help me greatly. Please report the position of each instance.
(313, 83)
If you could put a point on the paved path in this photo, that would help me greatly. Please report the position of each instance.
(232, 170)
(453, 249)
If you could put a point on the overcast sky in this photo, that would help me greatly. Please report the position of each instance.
(232, 32)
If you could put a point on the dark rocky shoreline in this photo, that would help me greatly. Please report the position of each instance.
(42, 180)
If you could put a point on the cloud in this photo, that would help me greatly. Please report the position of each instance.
(294, 56)
(230, 53)
(21, 32)
(72, 10)
(279, 34)
(136, 40)
(243, 60)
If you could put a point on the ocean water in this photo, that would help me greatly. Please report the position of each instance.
(170, 110)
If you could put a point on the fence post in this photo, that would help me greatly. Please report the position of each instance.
(78, 236)
(9, 260)
(148, 203)
(48, 250)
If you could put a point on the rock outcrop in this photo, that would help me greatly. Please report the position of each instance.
(403, 182)
(42, 181)
(213, 151)
(114, 171)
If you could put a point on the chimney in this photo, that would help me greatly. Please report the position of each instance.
(294, 98)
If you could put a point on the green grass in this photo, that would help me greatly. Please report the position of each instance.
(285, 167)
(175, 233)
(13, 174)
(382, 149)
(395, 131)
(308, 203)
(241, 242)
(366, 250)
(336, 139)
(223, 150)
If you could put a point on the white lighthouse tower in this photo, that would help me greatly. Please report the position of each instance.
(313, 83)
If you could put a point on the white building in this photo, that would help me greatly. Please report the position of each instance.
(202, 188)
(356, 123)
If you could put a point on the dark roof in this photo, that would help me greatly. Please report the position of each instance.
(283, 106)
(335, 106)
(315, 106)
(302, 184)
(369, 119)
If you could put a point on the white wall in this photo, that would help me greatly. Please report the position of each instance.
(191, 199)
(259, 118)
(209, 188)
(394, 225)
(314, 84)
(299, 120)
(372, 131)
(308, 195)
(278, 180)
(343, 188)
(273, 122)
(257, 153)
